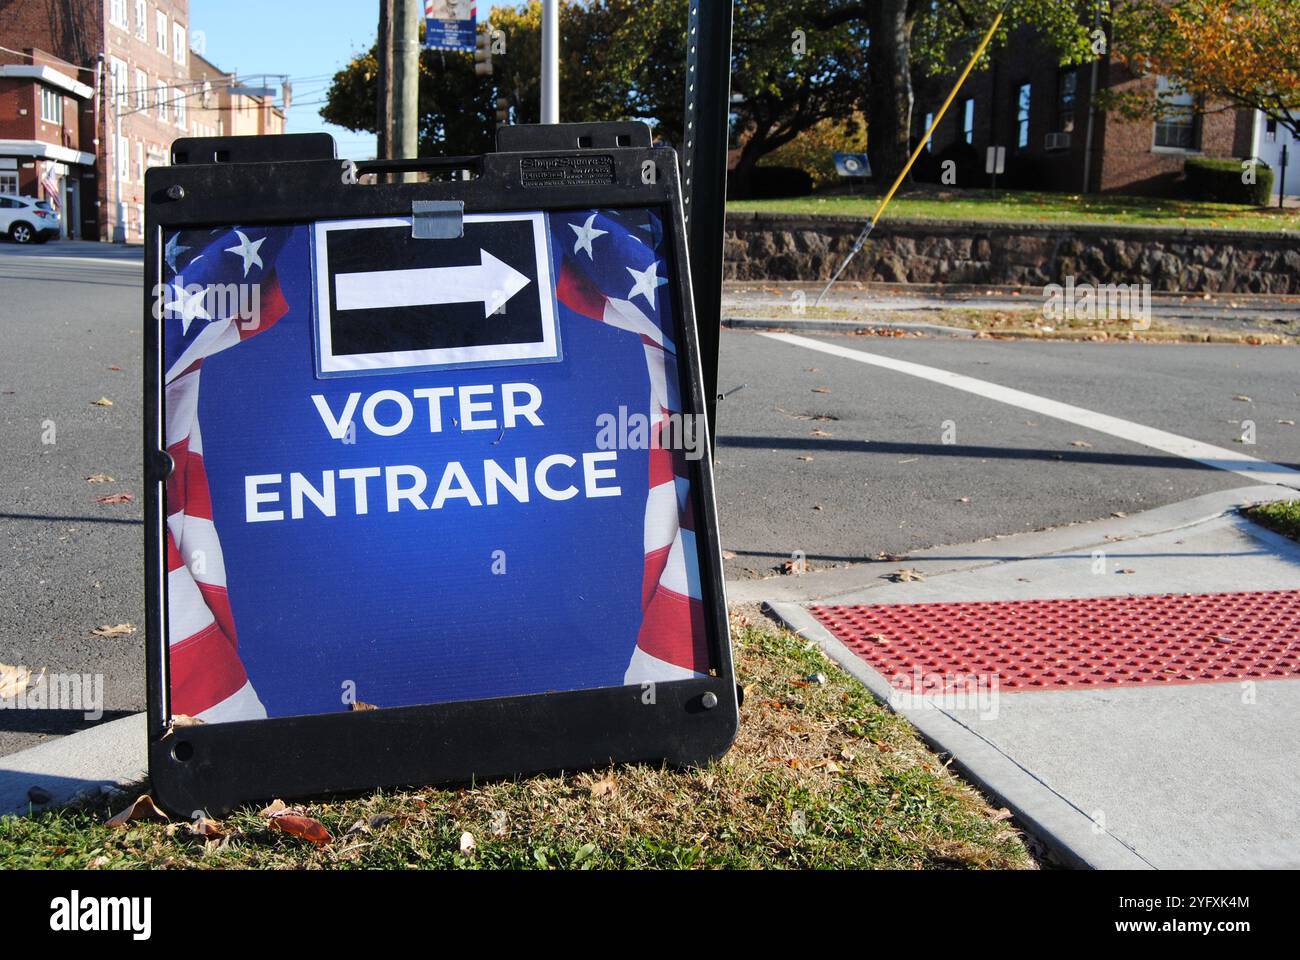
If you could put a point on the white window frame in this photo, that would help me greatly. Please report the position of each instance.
(180, 42)
(9, 183)
(160, 27)
(1185, 104)
(141, 89)
(51, 106)
(117, 14)
(163, 113)
(142, 20)
(117, 71)
(178, 108)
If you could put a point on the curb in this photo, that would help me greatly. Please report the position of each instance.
(106, 756)
(1063, 827)
(955, 558)
(839, 326)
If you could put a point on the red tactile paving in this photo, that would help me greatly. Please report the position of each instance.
(1076, 644)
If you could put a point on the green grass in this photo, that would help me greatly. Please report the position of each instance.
(1034, 207)
(820, 776)
(1282, 516)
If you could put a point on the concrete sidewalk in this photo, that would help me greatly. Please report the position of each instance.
(1187, 774)
(107, 756)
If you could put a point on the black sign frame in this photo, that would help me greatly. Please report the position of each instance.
(298, 179)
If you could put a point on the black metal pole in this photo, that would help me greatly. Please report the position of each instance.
(704, 177)
(1281, 184)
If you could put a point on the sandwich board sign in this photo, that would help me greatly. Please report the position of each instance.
(427, 482)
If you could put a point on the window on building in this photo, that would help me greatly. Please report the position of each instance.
(180, 43)
(1176, 127)
(141, 20)
(117, 78)
(162, 104)
(968, 121)
(141, 90)
(1270, 130)
(1067, 88)
(160, 31)
(180, 108)
(51, 105)
(9, 183)
(1022, 116)
(117, 13)
(929, 119)
(122, 159)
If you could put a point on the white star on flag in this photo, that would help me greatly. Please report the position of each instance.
(174, 249)
(191, 306)
(646, 282)
(586, 233)
(247, 249)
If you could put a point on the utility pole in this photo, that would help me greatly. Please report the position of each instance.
(384, 87)
(405, 63)
(550, 61)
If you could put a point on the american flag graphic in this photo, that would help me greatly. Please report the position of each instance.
(208, 680)
(613, 269)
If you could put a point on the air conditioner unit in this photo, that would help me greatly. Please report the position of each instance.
(1058, 141)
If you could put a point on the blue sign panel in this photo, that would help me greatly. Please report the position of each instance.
(852, 165)
(449, 24)
(413, 471)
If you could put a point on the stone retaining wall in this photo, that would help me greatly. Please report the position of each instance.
(776, 247)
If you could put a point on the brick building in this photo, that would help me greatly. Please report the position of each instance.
(135, 87)
(1040, 110)
(46, 115)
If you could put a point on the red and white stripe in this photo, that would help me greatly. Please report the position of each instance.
(671, 643)
(208, 680)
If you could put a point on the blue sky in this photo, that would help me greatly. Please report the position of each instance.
(307, 39)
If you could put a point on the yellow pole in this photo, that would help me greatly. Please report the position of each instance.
(866, 231)
(979, 51)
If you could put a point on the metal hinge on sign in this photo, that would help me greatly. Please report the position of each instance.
(437, 219)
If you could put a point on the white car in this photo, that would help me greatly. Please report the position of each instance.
(27, 220)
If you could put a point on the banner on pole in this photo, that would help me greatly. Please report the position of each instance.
(450, 24)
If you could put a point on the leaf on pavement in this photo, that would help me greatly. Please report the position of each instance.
(906, 575)
(117, 630)
(116, 498)
(101, 402)
(821, 389)
(13, 681)
(99, 478)
(1080, 443)
(1243, 397)
(313, 831)
(819, 432)
(142, 809)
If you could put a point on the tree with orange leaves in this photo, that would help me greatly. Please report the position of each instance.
(1242, 53)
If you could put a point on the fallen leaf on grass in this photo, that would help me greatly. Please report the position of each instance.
(143, 809)
(313, 831)
(99, 478)
(116, 498)
(101, 402)
(118, 630)
(274, 808)
(467, 844)
(604, 788)
(201, 826)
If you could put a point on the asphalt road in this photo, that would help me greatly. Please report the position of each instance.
(71, 335)
(843, 461)
(817, 453)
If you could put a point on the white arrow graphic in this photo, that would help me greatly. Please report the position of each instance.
(490, 282)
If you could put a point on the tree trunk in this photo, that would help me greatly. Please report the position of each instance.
(890, 100)
(740, 180)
